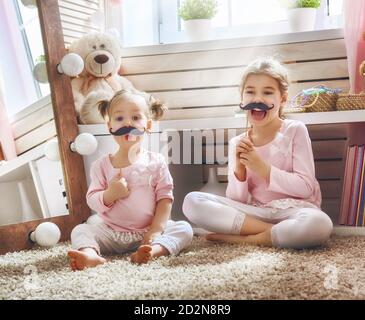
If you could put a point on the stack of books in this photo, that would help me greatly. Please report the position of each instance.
(353, 192)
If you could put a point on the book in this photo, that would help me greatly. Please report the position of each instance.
(361, 209)
(351, 219)
(347, 181)
(360, 190)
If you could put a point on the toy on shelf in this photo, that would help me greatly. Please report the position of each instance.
(95, 74)
(314, 99)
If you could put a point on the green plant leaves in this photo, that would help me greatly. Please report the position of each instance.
(198, 9)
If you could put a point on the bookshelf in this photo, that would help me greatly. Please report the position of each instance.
(351, 123)
(32, 186)
(356, 136)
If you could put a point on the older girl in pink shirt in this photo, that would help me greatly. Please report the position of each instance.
(273, 197)
(132, 191)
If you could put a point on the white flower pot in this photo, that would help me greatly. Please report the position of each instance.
(198, 29)
(302, 19)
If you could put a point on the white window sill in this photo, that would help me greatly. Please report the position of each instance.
(234, 42)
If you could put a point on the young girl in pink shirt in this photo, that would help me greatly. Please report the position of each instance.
(132, 191)
(273, 197)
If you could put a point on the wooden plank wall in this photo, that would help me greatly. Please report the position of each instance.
(75, 18)
(206, 83)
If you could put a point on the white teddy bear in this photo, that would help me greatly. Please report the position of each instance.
(99, 80)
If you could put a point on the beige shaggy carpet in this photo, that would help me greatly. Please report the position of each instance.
(205, 271)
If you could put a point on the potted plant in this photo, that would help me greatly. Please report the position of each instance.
(197, 15)
(302, 14)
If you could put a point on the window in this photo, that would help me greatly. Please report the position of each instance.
(32, 39)
(235, 18)
(22, 44)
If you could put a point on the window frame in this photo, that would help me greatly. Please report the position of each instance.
(168, 24)
(30, 91)
(27, 48)
(169, 33)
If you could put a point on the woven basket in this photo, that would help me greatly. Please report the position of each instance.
(293, 110)
(350, 102)
(319, 102)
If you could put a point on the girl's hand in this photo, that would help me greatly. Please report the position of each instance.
(251, 159)
(243, 145)
(118, 188)
(150, 235)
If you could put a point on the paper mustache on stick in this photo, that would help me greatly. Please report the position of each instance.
(254, 105)
(127, 130)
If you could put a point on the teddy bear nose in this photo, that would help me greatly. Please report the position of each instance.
(101, 58)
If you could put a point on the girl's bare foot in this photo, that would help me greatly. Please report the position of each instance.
(84, 258)
(142, 255)
(263, 238)
(146, 253)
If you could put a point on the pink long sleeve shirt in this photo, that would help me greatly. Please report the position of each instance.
(292, 172)
(148, 180)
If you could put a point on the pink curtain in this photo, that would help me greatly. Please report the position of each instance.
(9, 35)
(6, 132)
(354, 20)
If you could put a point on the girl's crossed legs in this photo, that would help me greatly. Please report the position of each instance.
(236, 222)
(90, 241)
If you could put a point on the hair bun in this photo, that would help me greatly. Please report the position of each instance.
(157, 108)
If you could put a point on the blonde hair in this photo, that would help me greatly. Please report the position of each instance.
(272, 68)
(156, 109)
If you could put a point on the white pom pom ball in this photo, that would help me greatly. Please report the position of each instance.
(51, 150)
(71, 65)
(85, 144)
(47, 234)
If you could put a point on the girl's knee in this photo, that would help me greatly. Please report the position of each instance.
(186, 230)
(319, 225)
(191, 205)
(79, 229)
(311, 228)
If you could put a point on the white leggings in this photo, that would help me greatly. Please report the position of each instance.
(176, 236)
(293, 228)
